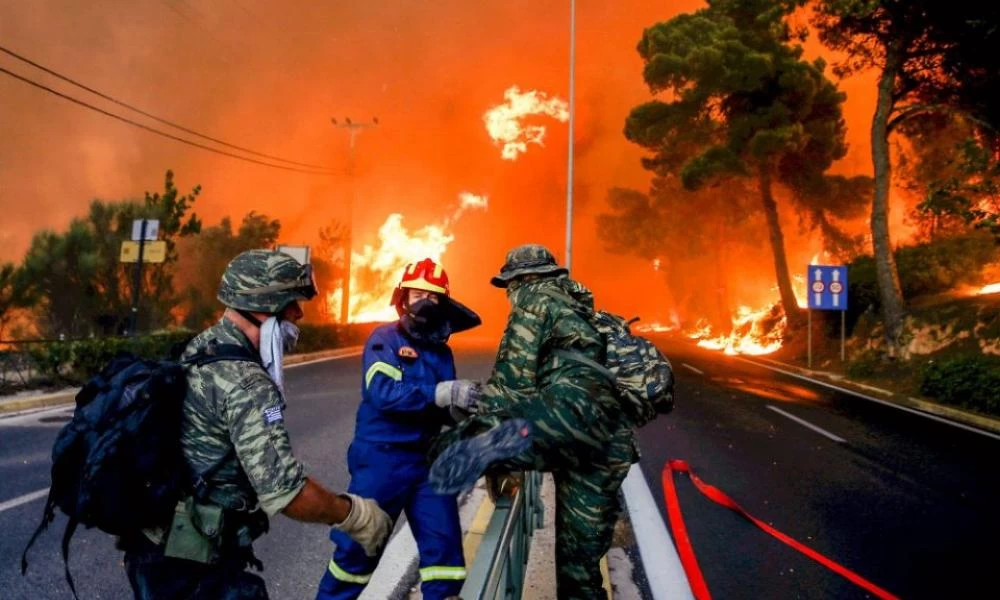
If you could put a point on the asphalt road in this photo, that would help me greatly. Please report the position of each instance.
(322, 399)
(907, 502)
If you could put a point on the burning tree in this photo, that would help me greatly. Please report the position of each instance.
(14, 294)
(744, 105)
(953, 169)
(681, 229)
(932, 56)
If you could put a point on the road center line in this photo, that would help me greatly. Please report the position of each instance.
(9, 504)
(818, 430)
(687, 366)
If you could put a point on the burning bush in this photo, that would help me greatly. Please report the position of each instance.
(924, 269)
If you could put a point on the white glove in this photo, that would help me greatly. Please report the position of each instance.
(463, 394)
(367, 524)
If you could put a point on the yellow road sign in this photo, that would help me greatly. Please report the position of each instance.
(154, 252)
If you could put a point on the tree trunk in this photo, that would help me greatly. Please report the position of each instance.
(788, 301)
(721, 317)
(890, 292)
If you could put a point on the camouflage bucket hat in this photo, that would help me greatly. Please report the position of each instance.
(526, 260)
(265, 281)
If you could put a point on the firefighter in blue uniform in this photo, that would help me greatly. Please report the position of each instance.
(408, 392)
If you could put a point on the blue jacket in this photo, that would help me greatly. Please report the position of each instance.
(398, 378)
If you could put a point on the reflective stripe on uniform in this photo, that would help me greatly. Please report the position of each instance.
(383, 368)
(343, 575)
(438, 573)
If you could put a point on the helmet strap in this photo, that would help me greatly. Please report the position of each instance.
(249, 317)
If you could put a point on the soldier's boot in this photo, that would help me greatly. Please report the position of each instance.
(459, 465)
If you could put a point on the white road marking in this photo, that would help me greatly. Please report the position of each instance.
(805, 423)
(692, 368)
(869, 398)
(664, 572)
(23, 499)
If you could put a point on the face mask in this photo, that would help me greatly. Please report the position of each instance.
(426, 320)
(276, 338)
(512, 289)
(289, 335)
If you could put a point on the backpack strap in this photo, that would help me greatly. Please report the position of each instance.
(574, 355)
(200, 485)
(67, 535)
(216, 352)
(583, 360)
(48, 515)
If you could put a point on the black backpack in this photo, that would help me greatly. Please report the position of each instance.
(117, 465)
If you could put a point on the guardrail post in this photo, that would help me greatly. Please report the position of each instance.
(500, 564)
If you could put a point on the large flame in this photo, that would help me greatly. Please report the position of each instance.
(657, 327)
(754, 332)
(375, 271)
(993, 288)
(504, 121)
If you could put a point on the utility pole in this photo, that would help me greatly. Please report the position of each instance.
(572, 114)
(353, 129)
(133, 321)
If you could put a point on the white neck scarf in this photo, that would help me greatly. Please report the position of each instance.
(272, 351)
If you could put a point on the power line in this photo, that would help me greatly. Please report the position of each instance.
(157, 131)
(152, 116)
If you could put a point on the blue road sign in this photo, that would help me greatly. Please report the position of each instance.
(827, 287)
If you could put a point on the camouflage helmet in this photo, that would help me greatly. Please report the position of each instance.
(265, 281)
(526, 260)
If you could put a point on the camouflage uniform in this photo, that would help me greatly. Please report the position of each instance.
(579, 433)
(233, 428)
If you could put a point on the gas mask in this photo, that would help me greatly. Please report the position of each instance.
(277, 337)
(428, 321)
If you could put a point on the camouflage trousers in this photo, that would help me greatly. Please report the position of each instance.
(589, 451)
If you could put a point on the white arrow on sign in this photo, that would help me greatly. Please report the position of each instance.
(819, 300)
(818, 275)
(836, 299)
(836, 275)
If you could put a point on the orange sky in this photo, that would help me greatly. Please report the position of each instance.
(270, 77)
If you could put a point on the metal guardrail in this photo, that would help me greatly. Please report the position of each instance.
(499, 567)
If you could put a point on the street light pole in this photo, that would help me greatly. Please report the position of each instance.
(353, 129)
(572, 114)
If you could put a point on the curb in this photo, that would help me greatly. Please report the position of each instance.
(13, 404)
(44, 401)
(932, 408)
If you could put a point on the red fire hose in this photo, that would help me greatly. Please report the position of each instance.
(690, 563)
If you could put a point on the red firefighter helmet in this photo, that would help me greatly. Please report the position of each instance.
(425, 275)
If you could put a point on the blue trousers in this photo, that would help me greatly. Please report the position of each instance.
(397, 479)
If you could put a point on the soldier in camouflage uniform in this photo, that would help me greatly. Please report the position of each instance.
(235, 442)
(577, 429)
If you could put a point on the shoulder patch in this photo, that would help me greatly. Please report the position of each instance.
(408, 353)
(272, 415)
